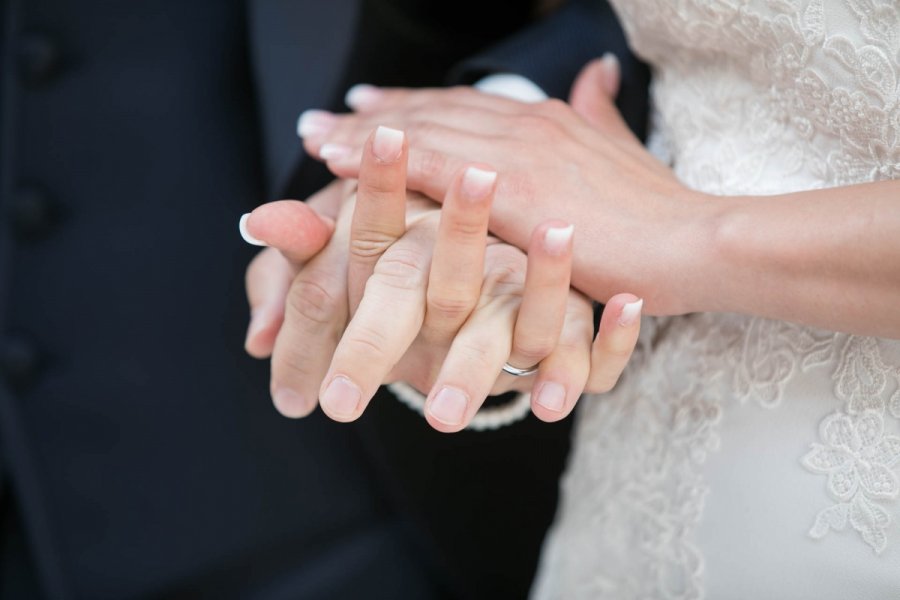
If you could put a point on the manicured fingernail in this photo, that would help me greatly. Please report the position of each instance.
(610, 61)
(552, 396)
(314, 123)
(290, 403)
(449, 406)
(611, 78)
(334, 151)
(478, 183)
(631, 313)
(558, 240)
(362, 95)
(242, 227)
(341, 397)
(388, 144)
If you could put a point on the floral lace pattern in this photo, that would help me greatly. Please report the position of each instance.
(751, 97)
(857, 458)
(631, 485)
(855, 453)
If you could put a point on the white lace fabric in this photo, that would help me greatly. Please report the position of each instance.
(742, 457)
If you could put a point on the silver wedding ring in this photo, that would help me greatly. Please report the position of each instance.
(517, 372)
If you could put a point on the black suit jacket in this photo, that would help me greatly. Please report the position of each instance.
(139, 452)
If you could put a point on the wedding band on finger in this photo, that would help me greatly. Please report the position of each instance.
(517, 372)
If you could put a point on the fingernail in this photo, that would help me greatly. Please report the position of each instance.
(449, 406)
(478, 183)
(631, 313)
(242, 227)
(361, 95)
(558, 240)
(610, 61)
(314, 123)
(388, 144)
(334, 151)
(289, 403)
(611, 78)
(552, 396)
(341, 397)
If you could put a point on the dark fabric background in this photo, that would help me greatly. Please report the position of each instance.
(140, 456)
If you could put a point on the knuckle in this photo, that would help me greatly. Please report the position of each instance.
(534, 349)
(455, 308)
(313, 301)
(377, 186)
(402, 269)
(505, 275)
(421, 128)
(467, 226)
(369, 245)
(365, 341)
(554, 107)
(542, 124)
(429, 163)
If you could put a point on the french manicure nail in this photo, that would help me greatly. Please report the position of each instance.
(552, 396)
(361, 95)
(631, 313)
(478, 183)
(557, 240)
(314, 123)
(341, 397)
(449, 406)
(242, 227)
(333, 151)
(289, 403)
(610, 61)
(611, 76)
(388, 144)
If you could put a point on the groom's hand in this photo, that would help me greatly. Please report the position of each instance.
(469, 331)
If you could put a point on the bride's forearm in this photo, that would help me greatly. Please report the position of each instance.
(826, 258)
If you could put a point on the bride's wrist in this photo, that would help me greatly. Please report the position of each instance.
(719, 256)
(701, 279)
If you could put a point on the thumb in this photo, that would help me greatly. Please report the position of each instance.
(595, 88)
(291, 226)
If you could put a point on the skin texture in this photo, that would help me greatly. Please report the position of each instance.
(825, 258)
(403, 291)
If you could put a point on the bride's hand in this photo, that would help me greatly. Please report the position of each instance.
(638, 222)
(442, 309)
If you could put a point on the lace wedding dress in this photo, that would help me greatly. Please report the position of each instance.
(741, 457)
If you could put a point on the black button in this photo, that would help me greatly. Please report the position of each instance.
(40, 59)
(33, 212)
(20, 361)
